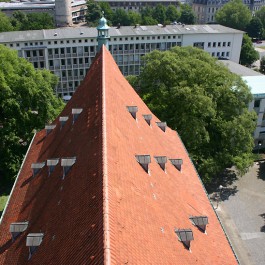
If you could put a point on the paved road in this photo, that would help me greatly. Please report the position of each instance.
(242, 213)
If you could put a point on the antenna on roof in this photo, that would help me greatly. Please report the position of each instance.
(49, 128)
(162, 125)
(17, 228)
(185, 236)
(67, 163)
(63, 120)
(161, 160)
(200, 222)
(36, 167)
(148, 118)
(144, 161)
(76, 113)
(132, 110)
(33, 241)
(177, 163)
(51, 163)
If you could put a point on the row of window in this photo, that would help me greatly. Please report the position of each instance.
(219, 44)
(69, 62)
(221, 54)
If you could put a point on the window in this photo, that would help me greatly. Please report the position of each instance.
(79, 41)
(214, 44)
(55, 42)
(28, 53)
(209, 44)
(224, 44)
(41, 53)
(17, 44)
(34, 53)
(229, 44)
(219, 44)
(61, 41)
(227, 54)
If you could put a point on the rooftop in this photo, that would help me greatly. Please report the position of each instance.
(112, 203)
(73, 33)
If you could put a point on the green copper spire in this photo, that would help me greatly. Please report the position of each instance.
(103, 33)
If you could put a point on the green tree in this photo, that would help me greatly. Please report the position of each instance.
(234, 14)
(27, 102)
(120, 17)
(159, 13)
(255, 28)
(39, 21)
(172, 13)
(147, 16)
(261, 15)
(93, 13)
(134, 18)
(187, 15)
(5, 24)
(31, 21)
(205, 103)
(108, 13)
(262, 65)
(248, 53)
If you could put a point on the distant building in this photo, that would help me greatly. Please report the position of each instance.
(68, 52)
(205, 9)
(109, 183)
(65, 12)
(256, 83)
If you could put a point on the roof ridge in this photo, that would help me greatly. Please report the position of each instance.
(106, 226)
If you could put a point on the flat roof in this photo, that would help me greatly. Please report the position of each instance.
(239, 69)
(73, 33)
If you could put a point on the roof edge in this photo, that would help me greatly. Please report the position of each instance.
(14, 185)
(106, 225)
(221, 224)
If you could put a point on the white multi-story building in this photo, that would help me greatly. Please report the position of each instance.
(256, 83)
(205, 9)
(68, 52)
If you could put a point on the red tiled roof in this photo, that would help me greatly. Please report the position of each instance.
(108, 210)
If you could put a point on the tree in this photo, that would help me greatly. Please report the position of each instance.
(159, 13)
(93, 13)
(31, 21)
(172, 13)
(205, 103)
(134, 18)
(255, 28)
(108, 13)
(187, 15)
(147, 16)
(27, 103)
(234, 14)
(5, 24)
(248, 54)
(39, 21)
(120, 17)
(262, 65)
(261, 15)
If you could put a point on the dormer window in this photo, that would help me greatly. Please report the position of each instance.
(144, 161)
(76, 113)
(200, 222)
(162, 125)
(185, 236)
(67, 164)
(148, 118)
(33, 242)
(63, 120)
(18, 228)
(49, 128)
(133, 110)
(177, 163)
(51, 164)
(161, 160)
(36, 167)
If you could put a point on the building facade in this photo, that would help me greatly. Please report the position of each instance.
(68, 52)
(205, 9)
